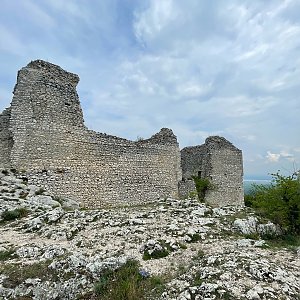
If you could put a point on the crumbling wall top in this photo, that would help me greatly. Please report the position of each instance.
(53, 71)
(218, 142)
(164, 136)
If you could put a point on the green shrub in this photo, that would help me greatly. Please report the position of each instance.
(194, 237)
(288, 240)
(127, 283)
(17, 213)
(279, 201)
(6, 254)
(202, 185)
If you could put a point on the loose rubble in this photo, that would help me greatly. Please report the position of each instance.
(205, 253)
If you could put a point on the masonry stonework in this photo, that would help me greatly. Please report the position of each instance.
(220, 162)
(6, 141)
(43, 134)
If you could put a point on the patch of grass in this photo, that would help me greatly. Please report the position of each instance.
(194, 238)
(10, 215)
(227, 296)
(252, 236)
(182, 246)
(182, 268)
(156, 254)
(17, 273)
(285, 241)
(193, 194)
(159, 253)
(127, 283)
(200, 254)
(197, 281)
(6, 254)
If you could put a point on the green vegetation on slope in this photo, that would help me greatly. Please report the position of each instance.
(279, 202)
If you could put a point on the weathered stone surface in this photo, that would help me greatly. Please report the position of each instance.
(221, 163)
(79, 246)
(43, 134)
(246, 226)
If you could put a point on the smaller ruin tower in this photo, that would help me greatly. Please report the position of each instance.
(222, 164)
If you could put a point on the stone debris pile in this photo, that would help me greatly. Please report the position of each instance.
(199, 251)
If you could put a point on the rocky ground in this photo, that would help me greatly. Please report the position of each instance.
(52, 249)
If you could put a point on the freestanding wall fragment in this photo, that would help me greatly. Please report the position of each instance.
(221, 163)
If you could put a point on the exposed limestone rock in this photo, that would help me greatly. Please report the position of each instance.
(207, 257)
(246, 226)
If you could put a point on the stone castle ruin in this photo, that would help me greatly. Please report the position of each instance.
(43, 135)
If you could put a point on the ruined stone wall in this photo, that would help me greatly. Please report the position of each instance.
(220, 162)
(115, 171)
(52, 144)
(193, 161)
(43, 133)
(45, 102)
(225, 173)
(6, 141)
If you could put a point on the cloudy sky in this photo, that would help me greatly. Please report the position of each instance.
(229, 68)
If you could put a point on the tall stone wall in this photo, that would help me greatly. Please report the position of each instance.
(52, 144)
(225, 173)
(6, 140)
(45, 103)
(220, 162)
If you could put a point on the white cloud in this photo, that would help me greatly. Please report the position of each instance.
(153, 20)
(282, 155)
(272, 157)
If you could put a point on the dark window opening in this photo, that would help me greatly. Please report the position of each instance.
(199, 174)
